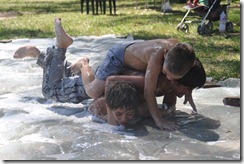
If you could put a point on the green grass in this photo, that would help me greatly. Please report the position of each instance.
(219, 53)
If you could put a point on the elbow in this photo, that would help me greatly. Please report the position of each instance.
(92, 93)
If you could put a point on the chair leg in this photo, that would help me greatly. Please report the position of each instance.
(114, 3)
(104, 6)
(87, 6)
(81, 5)
(110, 7)
(101, 7)
(146, 4)
(97, 6)
(93, 10)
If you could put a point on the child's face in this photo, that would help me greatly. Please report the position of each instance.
(123, 116)
(168, 74)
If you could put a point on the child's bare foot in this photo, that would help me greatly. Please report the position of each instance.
(63, 40)
(76, 67)
(26, 51)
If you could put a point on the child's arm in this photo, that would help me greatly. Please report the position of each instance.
(188, 97)
(153, 70)
(181, 90)
(137, 81)
(99, 109)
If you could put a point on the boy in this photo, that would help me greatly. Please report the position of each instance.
(122, 103)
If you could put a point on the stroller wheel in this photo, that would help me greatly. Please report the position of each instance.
(229, 27)
(201, 30)
(209, 25)
(208, 29)
(183, 27)
(178, 26)
(205, 28)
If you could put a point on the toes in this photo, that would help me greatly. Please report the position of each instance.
(16, 56)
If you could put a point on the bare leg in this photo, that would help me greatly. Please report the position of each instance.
(63, 40)
(26, 51)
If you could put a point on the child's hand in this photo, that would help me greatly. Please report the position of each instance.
(166, 125)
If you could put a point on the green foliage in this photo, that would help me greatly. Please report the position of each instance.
(219, 52)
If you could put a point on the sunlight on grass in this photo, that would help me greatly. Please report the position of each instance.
(35, 19)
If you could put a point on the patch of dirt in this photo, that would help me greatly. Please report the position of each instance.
(10, 14)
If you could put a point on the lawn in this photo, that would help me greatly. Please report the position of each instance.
(219, 52)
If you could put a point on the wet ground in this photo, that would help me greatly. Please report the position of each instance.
(33, 128)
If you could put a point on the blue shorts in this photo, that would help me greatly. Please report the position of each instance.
(113, 64)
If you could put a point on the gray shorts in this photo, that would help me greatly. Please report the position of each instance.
(58, 82)
(113, 64)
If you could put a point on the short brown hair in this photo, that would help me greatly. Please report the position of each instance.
(180, 58)
(122, 95)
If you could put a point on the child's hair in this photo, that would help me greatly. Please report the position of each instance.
(196, 77)
(180, 59)
(122, 95)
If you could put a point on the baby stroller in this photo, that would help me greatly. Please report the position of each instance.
(210, 10)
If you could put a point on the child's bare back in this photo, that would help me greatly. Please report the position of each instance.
(137, 55)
